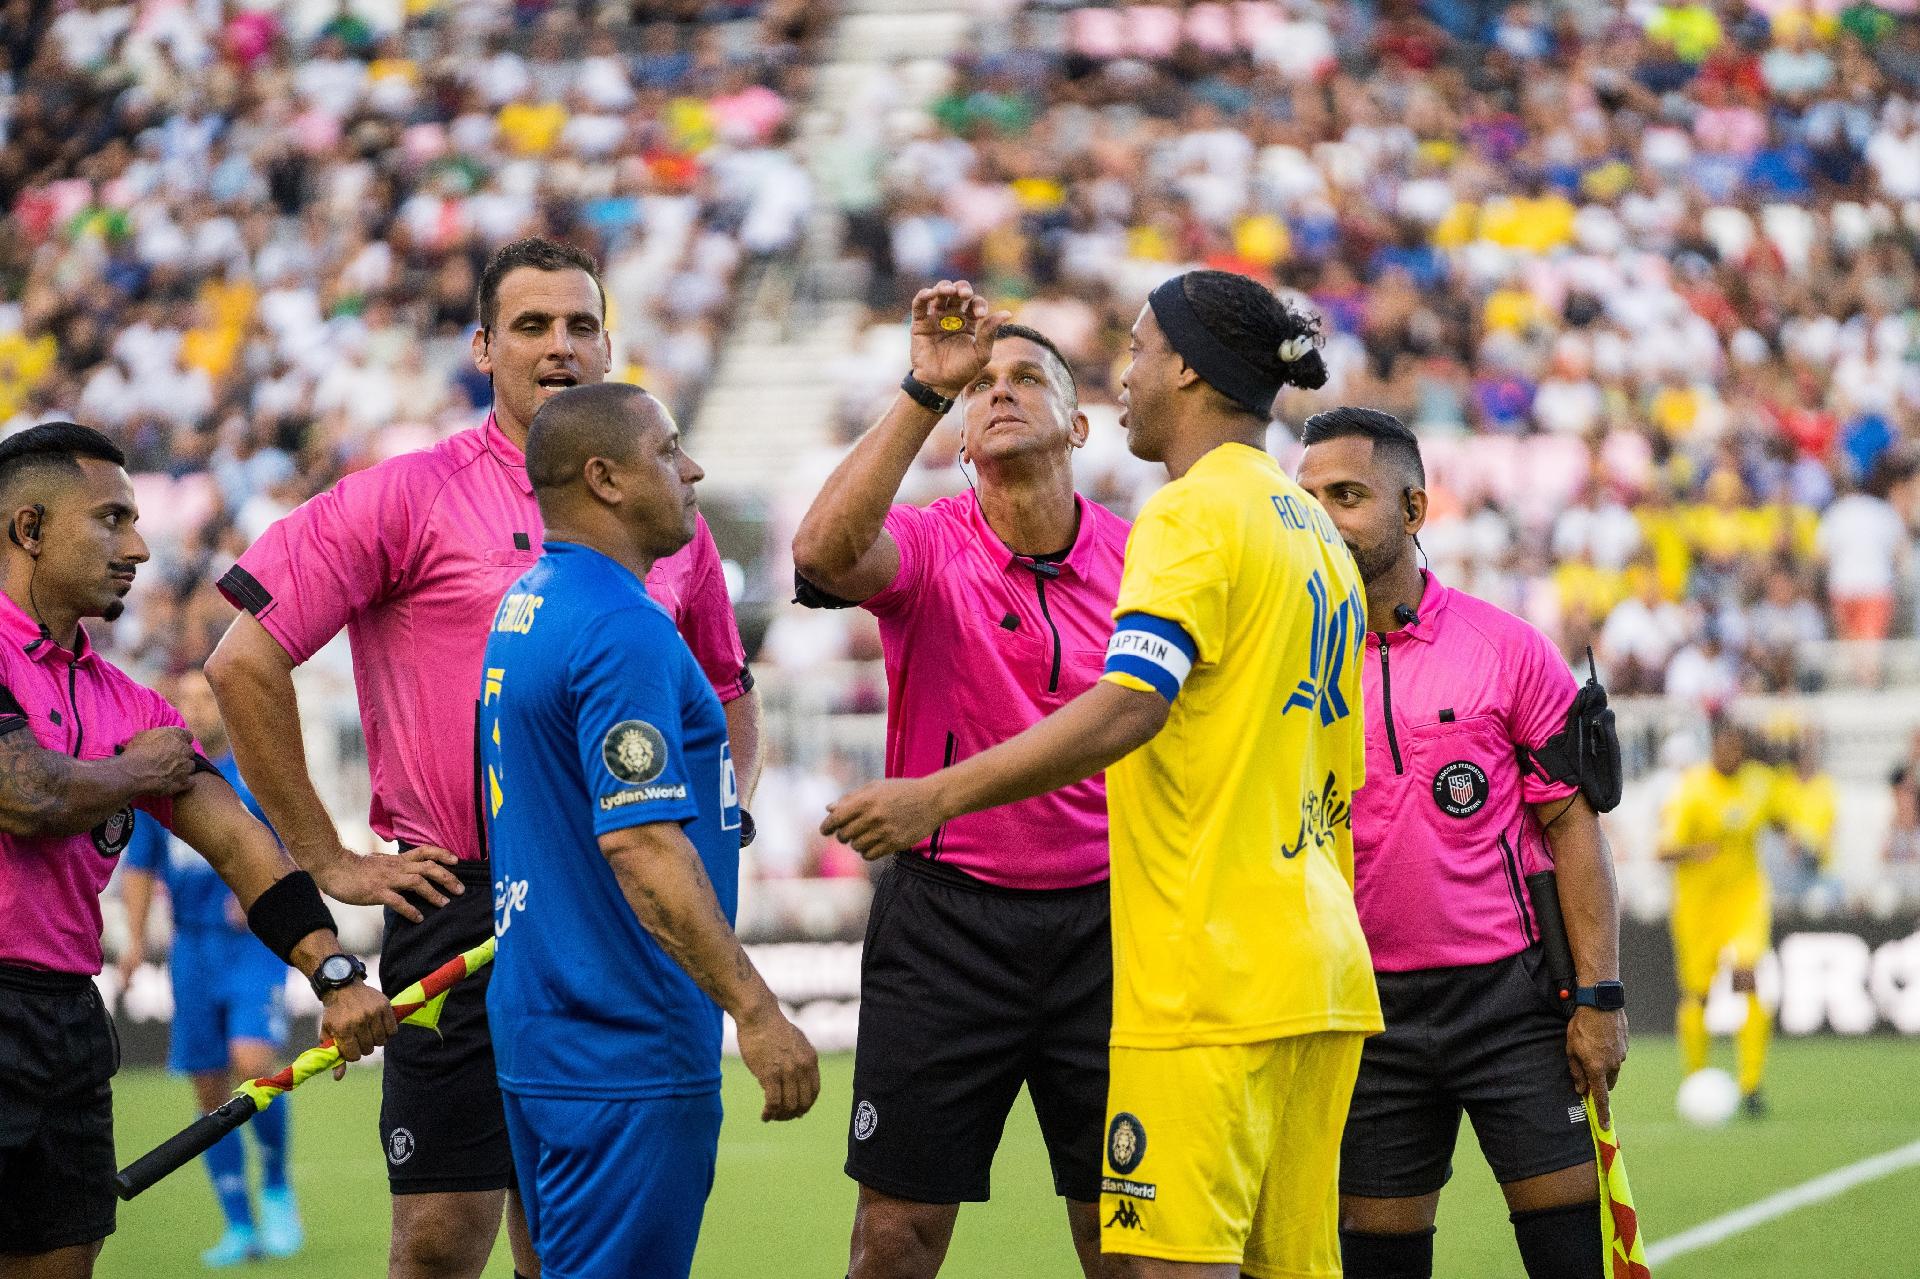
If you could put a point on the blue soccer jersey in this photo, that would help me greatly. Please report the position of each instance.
(198, 896)
(594, 718)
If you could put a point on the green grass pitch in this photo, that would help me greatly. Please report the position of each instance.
(781, 1205)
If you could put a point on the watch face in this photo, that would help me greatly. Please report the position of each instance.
(337, 969)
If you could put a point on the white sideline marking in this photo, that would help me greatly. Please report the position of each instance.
(1820, 1189)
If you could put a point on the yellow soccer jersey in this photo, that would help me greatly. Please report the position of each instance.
(1231, 831)
(1730, 813)
(1808, 808)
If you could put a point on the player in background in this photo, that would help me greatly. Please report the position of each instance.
(229, 1000)
(81, 747)
(1229, 722)
(1459, 695)
(988, 961)
(1722, 903)
(411, 557)
(615, 823)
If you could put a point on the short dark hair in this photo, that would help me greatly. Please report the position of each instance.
(1387, 432)
(580, 422)
(54, 446)
(1038, 338)
(1245, 317)
(540, 254)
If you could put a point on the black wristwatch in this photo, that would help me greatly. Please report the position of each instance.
(925, 396)
(1607, 996)
(335, 972)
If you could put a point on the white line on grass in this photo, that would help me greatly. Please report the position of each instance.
(1821, 1188)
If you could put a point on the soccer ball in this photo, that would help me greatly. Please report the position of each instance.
(1708, 1098)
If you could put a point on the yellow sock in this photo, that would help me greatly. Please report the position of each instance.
(1752, 1045)
(1691, 1026)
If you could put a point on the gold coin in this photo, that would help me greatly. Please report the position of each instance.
(952, 323)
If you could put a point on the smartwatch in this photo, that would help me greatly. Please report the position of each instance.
(335, 972)
(1607, 996)
(925, 396)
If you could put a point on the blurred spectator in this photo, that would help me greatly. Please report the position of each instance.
(1809, 806)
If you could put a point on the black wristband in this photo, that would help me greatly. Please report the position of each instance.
(282, 916)
(925, 396)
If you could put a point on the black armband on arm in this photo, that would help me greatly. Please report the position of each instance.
(282, 916)
(807, 595)
(12, 714)
(1585, 753)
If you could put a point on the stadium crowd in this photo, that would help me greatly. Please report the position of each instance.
(1642, 275)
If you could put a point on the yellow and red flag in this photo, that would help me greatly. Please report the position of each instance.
(1626, 1255)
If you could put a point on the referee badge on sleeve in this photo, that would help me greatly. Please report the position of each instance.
(634, 752)
(1126, 1143)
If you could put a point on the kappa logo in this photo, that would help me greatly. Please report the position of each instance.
(1460, 789)
(865, 1120)
(634, 751)
(1126, 1143)
(1126, 1217)
(399, 1146)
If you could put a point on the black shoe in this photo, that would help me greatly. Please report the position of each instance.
(1755, 1106)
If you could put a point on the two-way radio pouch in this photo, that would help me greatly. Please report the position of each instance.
(1543, 890)
(1585, 753)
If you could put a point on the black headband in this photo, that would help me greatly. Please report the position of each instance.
(1219, 367)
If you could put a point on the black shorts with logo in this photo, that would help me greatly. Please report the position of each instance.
(968, 991)
(442, 1124)
(1487, 1038)
(58, 1050)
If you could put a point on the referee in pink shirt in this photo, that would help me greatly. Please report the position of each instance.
(1469, 791)
(987, 962)
(411, 557)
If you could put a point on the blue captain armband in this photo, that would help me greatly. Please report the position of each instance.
(1152, 650)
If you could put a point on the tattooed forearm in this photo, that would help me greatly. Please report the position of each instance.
(45, 792)
(667, 886)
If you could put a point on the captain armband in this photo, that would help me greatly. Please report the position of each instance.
(1152, 650)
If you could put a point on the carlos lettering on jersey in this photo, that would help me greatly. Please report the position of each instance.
(515, 616)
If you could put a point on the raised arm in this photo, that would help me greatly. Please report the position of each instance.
(662, 878)
(842, 546)
(45, 792)
(252, 677)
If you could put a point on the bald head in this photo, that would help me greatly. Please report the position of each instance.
(584, 422)
(607, 469)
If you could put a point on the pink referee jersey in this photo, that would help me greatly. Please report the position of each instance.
(412, 557)
(81, 705)
(1443, 837)
(981, 644)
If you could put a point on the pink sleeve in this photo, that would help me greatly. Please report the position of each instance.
(1543, 690)
(912, 530)
(706, 619)
(337, 554)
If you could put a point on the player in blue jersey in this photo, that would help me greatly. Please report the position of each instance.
(229, 1000)
(614, 828)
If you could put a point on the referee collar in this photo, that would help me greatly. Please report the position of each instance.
(18, 628)
(1426, 629)
(1077, 555)
(506, 453)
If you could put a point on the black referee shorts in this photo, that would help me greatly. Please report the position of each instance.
(442, 1125)
(1487, 1038)
(968, 991)
(58, 1050)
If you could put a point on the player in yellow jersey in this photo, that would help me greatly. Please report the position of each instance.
(1722, 903)
(1229, 722)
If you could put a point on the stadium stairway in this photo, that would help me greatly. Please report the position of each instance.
(771, 401)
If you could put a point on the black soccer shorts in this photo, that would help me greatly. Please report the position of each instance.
(58, 1050)
(442, 1124)
(967, 991)
(1487, 1038)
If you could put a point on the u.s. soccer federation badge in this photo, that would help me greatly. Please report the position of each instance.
(634, 751)
(111, 837)
(1126, 1143)
(1460, 789)
(865, 1120)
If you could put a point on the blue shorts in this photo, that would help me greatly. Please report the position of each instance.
(226, 986)
(614, 1189)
